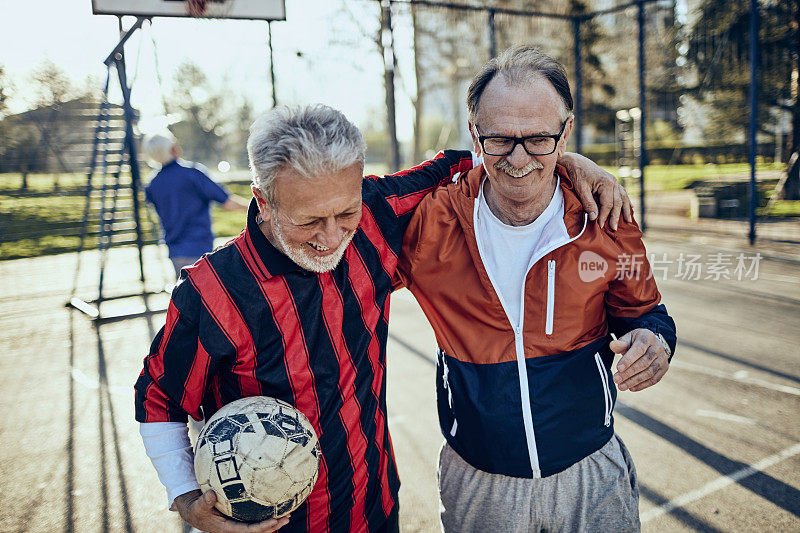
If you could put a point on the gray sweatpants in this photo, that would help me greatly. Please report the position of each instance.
(597, 494)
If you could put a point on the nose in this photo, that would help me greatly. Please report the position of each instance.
(331, 233)
(518, 158)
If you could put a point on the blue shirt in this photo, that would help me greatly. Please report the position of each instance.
(181, 193)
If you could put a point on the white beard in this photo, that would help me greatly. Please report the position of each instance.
(504, 166)
(303, 258)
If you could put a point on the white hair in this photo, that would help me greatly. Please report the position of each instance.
(313, 140)
(158, 147)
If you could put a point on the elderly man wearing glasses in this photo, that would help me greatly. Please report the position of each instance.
(525, 314)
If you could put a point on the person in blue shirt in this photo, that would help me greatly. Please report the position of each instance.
(181, 192)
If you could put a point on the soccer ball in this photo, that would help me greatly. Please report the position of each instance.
(260, 456)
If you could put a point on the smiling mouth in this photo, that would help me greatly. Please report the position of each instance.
(318, 247)
(508, 169)
(518, 173)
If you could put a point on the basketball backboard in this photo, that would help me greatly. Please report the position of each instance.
(234, 9)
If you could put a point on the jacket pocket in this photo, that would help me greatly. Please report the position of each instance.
(551, 296)
(601, 369)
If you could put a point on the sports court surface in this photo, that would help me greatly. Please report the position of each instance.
(716, 443)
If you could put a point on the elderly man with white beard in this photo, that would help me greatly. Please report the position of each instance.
(296, 308)
(525, 332)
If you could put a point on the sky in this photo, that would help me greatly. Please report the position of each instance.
(321, 55)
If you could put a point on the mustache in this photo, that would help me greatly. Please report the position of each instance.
(504, 166)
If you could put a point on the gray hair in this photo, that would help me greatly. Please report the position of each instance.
(520, 64)
(158, 147)
(313, 140)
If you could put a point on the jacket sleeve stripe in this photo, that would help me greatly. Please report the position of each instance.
(406, 203)
(421, 179)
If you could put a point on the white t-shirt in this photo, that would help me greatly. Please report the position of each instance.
(507, 251)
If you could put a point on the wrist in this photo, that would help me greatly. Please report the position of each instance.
(182, 502)
(663, 341)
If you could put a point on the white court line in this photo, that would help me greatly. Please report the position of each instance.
(84, 380)
(740, 376)
(720, 483)
(778, 277)
(725, 416)
(94, 383)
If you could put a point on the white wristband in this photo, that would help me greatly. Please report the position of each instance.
(168, 446)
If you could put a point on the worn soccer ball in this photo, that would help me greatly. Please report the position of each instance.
(260, 456)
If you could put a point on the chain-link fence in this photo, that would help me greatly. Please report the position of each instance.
(637, 80)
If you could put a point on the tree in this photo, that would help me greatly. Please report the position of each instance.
(201, 132)
(243, 118)
(718, 55)
(449, 47)
(40, 138)
(52, 86)
(5, 94)
(596, 92)
(48, 131)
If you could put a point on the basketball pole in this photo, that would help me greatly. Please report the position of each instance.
(91, 308)
(130, 143)
(276, 10)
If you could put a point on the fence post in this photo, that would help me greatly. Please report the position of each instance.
(578, 107)
(272, 66)
(753, 116)
(642, 120)
(492, 36)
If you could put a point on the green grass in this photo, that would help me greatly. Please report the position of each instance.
(677, 177)
(784, 208)
(40, 182)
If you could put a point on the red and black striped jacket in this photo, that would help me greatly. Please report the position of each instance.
(245, 320)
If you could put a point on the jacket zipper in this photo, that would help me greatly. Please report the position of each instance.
(522, 371)
(601, 368)
(525, 399)
(446, 383)
(551, 293)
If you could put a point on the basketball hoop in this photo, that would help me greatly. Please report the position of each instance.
(208, 8)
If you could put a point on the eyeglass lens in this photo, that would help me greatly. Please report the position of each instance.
(534, 145)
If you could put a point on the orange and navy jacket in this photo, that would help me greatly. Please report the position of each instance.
(530, 400)
(245, 321)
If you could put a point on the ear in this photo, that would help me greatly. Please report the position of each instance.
(261, 202)
(476, 143)
(562, 143)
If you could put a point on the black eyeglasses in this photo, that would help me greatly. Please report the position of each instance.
(534, 144)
